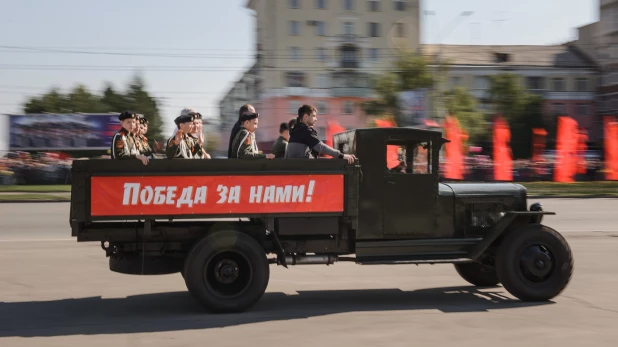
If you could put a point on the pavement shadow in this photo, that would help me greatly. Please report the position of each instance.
(177, 311)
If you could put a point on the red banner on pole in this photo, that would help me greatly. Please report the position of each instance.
(203, 195)
(566, 150)
(503, 160)
(611, 148)
(454, 150)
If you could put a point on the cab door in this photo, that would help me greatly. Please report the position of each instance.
(410, 189)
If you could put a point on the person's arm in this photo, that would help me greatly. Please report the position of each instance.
(171, 149)
(314, 143)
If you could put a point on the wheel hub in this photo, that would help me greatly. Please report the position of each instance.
(536, 263)
(226, 271)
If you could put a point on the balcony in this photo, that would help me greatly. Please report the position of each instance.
(348, 39)
(351, 85)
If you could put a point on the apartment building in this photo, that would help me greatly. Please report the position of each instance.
(323, 52)
(563, 75)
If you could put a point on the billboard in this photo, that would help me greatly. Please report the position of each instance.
(62, 132)
(413, 107)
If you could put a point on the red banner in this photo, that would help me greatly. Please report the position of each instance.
(203, 195)
(503, 160)
(566, 150)
(455, 149)
(611, 148)
(392, 151)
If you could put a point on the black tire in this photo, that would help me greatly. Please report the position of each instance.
(135, 264)
(227, 256)
(534, 263)
(478, 274)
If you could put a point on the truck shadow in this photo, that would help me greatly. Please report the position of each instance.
(178, 311)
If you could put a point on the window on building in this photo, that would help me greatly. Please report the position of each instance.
(400, 30)
(348, 5)
(374, 29)
(481, 82)
(558, 84)
(455, 81)
(581, 84)
(534, 82)
(321, 81)
(294, 3)
(294, 53)
(348, 107)
(400, 5)
(322, 107)
(320, 54)
(320, 28)
(373, 5)
(320, 4)
(582, 110)
(558, 109)
(614, 24)
(293, 106)
(295, 79)
(373, 54)
(294, 28)
(348, 28)
(349, 57)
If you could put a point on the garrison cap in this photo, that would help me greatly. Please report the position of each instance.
(190, 112)
(143, 120)
(127, 115)
(183, 119)
(249, 116)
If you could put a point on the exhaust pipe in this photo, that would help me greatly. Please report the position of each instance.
(308, 260)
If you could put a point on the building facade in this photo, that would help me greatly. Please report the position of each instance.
(563, 75)
(324, 52)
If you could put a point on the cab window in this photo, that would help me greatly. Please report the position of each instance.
(408, 157)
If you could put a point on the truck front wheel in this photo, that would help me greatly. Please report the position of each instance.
(534, 263)
(227, 272)
(477, 274)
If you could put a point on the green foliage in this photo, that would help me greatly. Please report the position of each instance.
(522, 110)
(462, 105)
(80, 99)
(411, 71)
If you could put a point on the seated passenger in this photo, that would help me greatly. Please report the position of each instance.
(143, 129)
(124, 143)
(197, 134)
(304, 141)
(181, 145)
(244, 145)
(281, 143)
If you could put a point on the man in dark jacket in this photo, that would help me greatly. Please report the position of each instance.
(304, 141)
(244, 109)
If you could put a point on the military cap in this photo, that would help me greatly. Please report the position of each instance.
(143, 120)
(191, 112)
(249, 116)
(183, 119)
(127, 115)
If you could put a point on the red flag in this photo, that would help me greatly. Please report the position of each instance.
(611, 148)
(503, 161)
(454, 150)
(566, 150)
(332, 127)
(392, 151)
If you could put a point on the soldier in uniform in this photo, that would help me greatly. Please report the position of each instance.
(146, 150)
(281, 143)
(197, 134)
(136, 133)
(244, 145)
(182, 145)
(123, 143)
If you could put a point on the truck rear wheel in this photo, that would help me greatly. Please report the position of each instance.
(227, 272)
(535, 263)
(477, 274)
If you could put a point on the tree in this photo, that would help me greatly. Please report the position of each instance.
(411, 72)
(522, 110)
(80, 99)
(461, 104)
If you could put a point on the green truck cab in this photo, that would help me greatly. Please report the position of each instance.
(221, 223)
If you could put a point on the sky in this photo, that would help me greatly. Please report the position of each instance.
(190, 52)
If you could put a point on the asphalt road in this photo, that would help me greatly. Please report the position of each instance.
(55, 292)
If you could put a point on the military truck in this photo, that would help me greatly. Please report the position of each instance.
(221, 223)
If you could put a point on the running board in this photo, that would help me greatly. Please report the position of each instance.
(417, 262)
